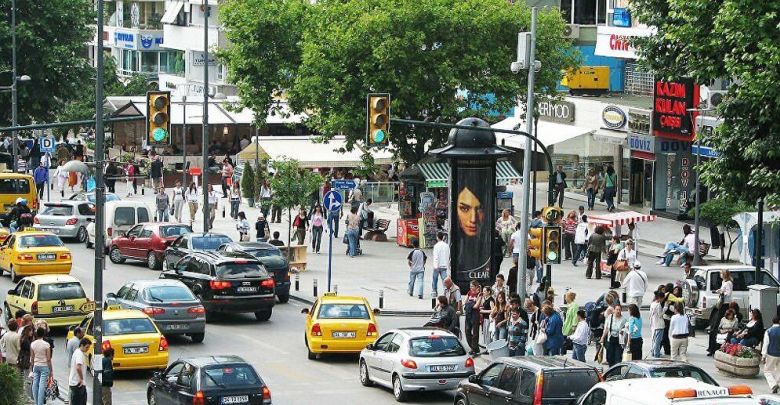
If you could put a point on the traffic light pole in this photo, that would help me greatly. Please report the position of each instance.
(205, 137)
(97, 320)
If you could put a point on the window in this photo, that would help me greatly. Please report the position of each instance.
(635, 372)
(123, 291)
(508, 380)
(143, 214)
(233, 270)
(683, 372)
(134, 231)
(143, 15)
(33, 241)
(60, 291)
(569, 383)
(741, 280)
(209, 242)
(172, 62)
(114, 327)
(57, 210)
(527, 387)
(181, 242)
(221, 72)
(170, 231)
(168, 293)
(132, 294)
(87, 209)
(395, 344)
(149, 62)
(637, 81)
(14, 186)
(124, 216)
(146, 233)
(584, 12)
(489, 377)
(185, 377)
(597, 397)
(266, 253)
(436, 346)
(384, 341)
(343, 311)
(173, 371)
(233, 375)
(27, 290)
(129, 61)
(615, 374)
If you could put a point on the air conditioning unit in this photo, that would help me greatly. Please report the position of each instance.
(715, 98)
(571, 31)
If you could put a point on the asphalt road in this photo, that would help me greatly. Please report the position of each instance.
(275, 348)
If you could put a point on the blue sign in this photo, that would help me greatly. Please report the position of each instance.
(621, 17)
(704, 151)
(504, 195)
(333, 200)
(124, 39)
(48, 144)
(343, 184)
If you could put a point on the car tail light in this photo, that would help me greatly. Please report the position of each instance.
(409, 364)
(163, 344)
(197, 310)
(34, 308)
(266, 394)
(219, 285)
(316, 330)
(538, 390)
(371, 330)
(25, 256)
(71, 221)
(110, 232)
(469, 363)
(65, 256)
(199, 398)
(36, 220)
(154, 311)
(269, 283)
(106, 345)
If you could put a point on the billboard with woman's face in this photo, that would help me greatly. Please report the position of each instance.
(473, 189)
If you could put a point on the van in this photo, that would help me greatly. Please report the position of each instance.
(666, 390)
(16, 185)
(120, 216)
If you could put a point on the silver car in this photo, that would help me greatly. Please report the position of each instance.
(174, 308)
(415, 359)
(84, 196)
(66, 219)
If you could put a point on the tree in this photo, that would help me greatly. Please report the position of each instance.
(51, 38)
(248, 183)
(711, 39)
(11, 385)
(292, 187)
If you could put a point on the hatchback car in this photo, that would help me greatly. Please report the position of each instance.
(146, 242)
(339, 324)
(415, 359)
(84, 196)
(29, 253)
(656, 368)
(174, 308)
(208, 380)
(192, 242)
(66, 219)
(58, 299)
(538, 380)
(272, 259)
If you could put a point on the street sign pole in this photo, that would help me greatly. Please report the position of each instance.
(330, 248)
(333, 202)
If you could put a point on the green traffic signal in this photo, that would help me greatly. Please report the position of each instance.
(379, 136)
(159, 134)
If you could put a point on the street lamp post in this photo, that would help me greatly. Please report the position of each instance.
(99, 212)
(13, 83)
(205, 137)
(697, 209)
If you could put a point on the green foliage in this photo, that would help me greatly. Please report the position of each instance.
(261, 174)
(710, 39)
(292, 185)
(367, 168)
(248, 181)
(720, 210)
(10, 385)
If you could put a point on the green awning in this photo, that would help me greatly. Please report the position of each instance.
(506, 173)
(437, 174)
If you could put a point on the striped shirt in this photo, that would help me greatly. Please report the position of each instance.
(570, 226)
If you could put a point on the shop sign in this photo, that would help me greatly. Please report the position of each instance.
(666, 146)
(124, 40)
(685, 174)
(704, 151)
(641, 143)
(616, 41)
(149, 41)
(436, 183)
(671, 101)
(640, 121)
(669, 176)
(199, 57)
(613, 117)
(556, 111)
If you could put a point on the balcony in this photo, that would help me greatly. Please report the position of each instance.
(191, 37)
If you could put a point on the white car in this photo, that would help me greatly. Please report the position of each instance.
(415, 359)
(120, 217)
(662, 391)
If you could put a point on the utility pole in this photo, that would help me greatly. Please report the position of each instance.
(204, 152)
(184, 143)
(14, 101)
(523, 258)
(97, 320)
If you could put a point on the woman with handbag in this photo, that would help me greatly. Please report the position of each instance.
(243, 227)
(624, 262)
(615, 246)
(722, 332)
(553, 345)
(499, 316)
(534, 325)
(486, 308)
(726, 288)
(613, 326)
(634, 333)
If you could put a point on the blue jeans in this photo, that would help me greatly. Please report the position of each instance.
(438, 272)
(751, 341)
(591, 198)
(416, 278)
(552, 351)
(234, 208)
(352, 238)
(162, 215)
(658, 338)
(673, 249)
(609, 197)
(579, 252)
(500, 333)
(539, 271)
(579, 352)
(40, 381)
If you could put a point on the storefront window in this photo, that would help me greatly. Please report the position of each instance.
(149, 62)
(143, 15)
(129, 61)
(172, 62)
(584, 12)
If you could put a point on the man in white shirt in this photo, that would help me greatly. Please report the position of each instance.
(73, 343)
(580, 240)
(78, 370)
(500, 286)
(580, 337)
(678, 333)
(770, 352)
(441, 262)
(657, 323)
(213, 204)
(636, 284)
(515, 241)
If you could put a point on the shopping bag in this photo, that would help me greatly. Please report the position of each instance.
(599, 358)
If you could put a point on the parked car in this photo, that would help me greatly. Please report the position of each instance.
(272, 259)
(66, 219)
(339, 324)
(146, 242)
(58, 299)
(700, 296)
(120, 216)
(656, 368)
(85, 196)
(226, 283)
(415, 359)
(174, 308)
(666, 390)
(192, 242)
(538, 380)
(208, 380)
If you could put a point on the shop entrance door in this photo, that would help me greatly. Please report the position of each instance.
(637, 182)
(647, 189)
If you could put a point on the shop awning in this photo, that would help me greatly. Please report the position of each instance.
(620, 218)
(549, 133)
(437, 174)
(609, 136)
(170, 14)
(311, 154)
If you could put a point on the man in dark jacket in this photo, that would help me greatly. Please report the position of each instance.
(108, 376)
(597, 244)
(560, 184)
(156, 170)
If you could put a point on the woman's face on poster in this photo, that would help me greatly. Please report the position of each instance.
(471, 213)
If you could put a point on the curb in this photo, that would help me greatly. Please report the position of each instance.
(385, 312)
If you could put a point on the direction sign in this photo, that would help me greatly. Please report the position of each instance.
(48, 144)
(333, 200)
(343, 184)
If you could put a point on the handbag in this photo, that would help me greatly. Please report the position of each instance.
(345, 240)
(627, 356)
(720, 338)
(620, 265)
(541, 335)
(599, 358)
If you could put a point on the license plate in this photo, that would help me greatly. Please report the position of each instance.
(177, 326)
(235, 399)
(136, 350)
(343, 335)
(46, 256)
(65, 308)
(246, 289)
(443, 368)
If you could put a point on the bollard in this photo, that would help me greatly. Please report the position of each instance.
(297, 282)
(381, 299)
(335, 288)
(142, 190)
(624, 301)
(315, 287)
(433, 302)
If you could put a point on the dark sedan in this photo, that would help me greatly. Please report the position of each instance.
(192, 242)
(208, 380)
(273, 260)
(657, 368)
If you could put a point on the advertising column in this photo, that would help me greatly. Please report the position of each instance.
(474, 216)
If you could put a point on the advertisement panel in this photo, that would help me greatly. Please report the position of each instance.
(671, 101)
(473, 216)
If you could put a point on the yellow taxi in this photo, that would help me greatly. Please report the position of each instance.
(339, 324)
(29, 253)
(58, 299)
(137, 342)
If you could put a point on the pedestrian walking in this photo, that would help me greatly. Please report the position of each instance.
(227, 176)
(592, 187)
(498, 316)
(657, 323)
(42, 371)
(265, 198)
(162, 203)
(581, 235)
(213, 200)
(353, 223)
(454, 300)
(178, 200)
(73, 343)
(441, 262)
(614, 325)
(112, 173)
(243, 227)
(41, 178)
(192, 201)
(634, 332)
(487, 303)
(553, 346)
(10, 343)
(471, 310)
(626, 259)
(108, 376)
(569, 232)
(62, 178)
(235, 200)
(672, 297)
(770, 352)
(78, 370)
(580, 337)
(27, 336)
(317, 222)
(560, 185)
(416, 260)
(130, 170)
(517, 332)
(597, 244)
(678, 329)
(610, 188)
(506, 225)
(636, 284)
(301, 225)
(156, 170)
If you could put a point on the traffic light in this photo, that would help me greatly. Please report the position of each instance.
(378, 119)
(158, 118)
(552, 244)
(553, 215)
(535, 243)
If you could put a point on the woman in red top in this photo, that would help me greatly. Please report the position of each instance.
(569, 229)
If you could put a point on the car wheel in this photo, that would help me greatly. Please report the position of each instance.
(14, 277)
(81, 235)
(263, 315)
(151, 261)
(398, 390)
(461, 401)
(364, 379)
(87, 242)
(311, 355)
(284, 298)
(197, 337)
(115, 255)
(151, 399)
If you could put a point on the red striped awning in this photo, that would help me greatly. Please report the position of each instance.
(620, 218)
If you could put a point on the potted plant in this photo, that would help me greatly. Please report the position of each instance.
(10, 385)
(248, 184)
(737, 359)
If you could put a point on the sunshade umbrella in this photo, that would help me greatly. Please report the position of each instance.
(75, 166)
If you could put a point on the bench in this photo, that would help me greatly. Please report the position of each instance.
(377, 231)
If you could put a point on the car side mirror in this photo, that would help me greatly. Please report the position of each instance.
(12, 291)
(168, 242)
(370, 346)
(111, 296)
(376, 311)
(305, 311)
(474, 379)
(157, 374)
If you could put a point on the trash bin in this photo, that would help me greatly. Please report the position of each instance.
(498, 348)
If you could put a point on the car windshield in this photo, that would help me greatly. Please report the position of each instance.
(60, 291)
(436, 346)
(109, 197)
(31, 241)
(209, 242)
(165, 293)
(239, 270)
(683, 372)
(130, 326)
(568, 383)
(57, 210)
(172, 231)
(233, 375)
(343, 311)
(266, 253)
